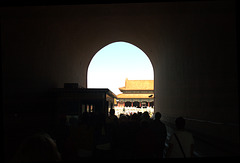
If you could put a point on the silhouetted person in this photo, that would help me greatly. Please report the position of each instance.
(145, 116)
(123, 138)
(103, 143)
(112, 114)
(38, 148)
(61, 132)
(80, 143)
(145, 140)
(111, 127)
(160, 131)
(180, 138)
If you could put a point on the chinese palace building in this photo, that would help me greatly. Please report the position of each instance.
(137, 96)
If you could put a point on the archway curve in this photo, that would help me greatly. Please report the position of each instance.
(148, 61)
(110, 42)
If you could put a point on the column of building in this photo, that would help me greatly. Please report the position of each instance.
(123, 104)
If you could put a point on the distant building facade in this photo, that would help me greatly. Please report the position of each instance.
(137, 94)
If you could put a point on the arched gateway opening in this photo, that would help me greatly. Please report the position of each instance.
(125, 70)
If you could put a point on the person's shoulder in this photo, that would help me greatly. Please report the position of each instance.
(162, 123)
(185, 133)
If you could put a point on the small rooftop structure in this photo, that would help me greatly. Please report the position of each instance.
(75, 101)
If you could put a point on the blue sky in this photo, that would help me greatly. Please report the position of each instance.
(115, 62)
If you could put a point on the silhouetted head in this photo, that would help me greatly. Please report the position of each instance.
(145, 115)
(158, 116)
(112, 111)
(180, 123)
(38, 148)
(123, 119)
(135, 116)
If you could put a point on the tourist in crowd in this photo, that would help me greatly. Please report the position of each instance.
(160, 131)
(97, 136)
(80, 142)
(112, 127)
(181, 143)
(38, 148)
(145, 139)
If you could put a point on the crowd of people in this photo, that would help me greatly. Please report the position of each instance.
(95, 136)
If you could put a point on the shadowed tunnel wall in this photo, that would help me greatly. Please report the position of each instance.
(191, 45)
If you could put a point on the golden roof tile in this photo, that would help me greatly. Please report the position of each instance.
(138, 85)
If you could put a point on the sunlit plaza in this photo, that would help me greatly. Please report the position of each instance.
(132, 110)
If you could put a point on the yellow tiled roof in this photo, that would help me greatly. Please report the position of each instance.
(138, 85)
(134, 96)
